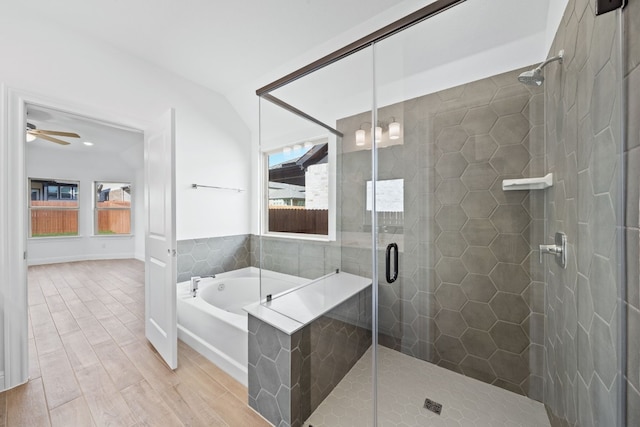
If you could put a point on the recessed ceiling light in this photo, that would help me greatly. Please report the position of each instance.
(88, 144)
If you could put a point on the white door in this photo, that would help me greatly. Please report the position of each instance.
(160, 239)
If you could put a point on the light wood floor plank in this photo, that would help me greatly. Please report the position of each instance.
(106, 404)
(35, 296)
(65, 322)
(91, 365)
(152, 369)
(122, 372)
(215, 372)
(60, 385)
(93, 330)
(118, 331)
(190, 409)
(40, 314)
(55, 303)
(27, 406)
(148, 407)
(78, 309)
(74, 413)
(3, 411)
(79, 351)
(34, 362)
(47, 338)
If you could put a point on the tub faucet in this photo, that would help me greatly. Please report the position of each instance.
(193, 289)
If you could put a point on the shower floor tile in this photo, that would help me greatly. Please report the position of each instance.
(405, 382)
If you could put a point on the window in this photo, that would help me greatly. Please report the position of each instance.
(112, 208)
(53, 208)
(299, 193)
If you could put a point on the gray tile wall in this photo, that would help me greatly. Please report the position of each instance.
(290, 375)
(467, 298)
(200, 257)
(303, 258)
(583, 147)
(631, 42)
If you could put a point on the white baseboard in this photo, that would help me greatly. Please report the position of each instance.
(224, 362)
(139, 257)
(72, 258)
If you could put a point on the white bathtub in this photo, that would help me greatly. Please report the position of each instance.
(214, 324)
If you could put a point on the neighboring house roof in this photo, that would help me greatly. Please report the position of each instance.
(278, 190)
(292, 171)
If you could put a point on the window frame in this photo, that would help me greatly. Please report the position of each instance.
(329, 139)
(97, 209)
(45, 190)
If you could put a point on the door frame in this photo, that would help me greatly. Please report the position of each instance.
(13, 217)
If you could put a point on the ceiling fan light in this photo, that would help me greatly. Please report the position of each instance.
(88, 144)
(30, 137)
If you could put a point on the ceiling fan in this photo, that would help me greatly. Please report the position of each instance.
(48, 135)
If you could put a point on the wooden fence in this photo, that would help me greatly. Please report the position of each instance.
(296, 220)
(114, 222)
(64, 222)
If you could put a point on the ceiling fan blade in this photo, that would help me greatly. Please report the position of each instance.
(54, 132)
(52, 139)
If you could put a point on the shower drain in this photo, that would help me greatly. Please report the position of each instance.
(432, 406)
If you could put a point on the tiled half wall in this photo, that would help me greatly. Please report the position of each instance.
(290, 375)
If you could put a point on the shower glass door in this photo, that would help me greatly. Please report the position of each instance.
(473, 325)
(419, 295)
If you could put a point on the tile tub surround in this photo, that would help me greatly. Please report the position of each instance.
(469, 297)
(584, 152)
(201, 257)
(291, 374)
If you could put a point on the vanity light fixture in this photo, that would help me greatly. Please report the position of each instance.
(30, 137)
(360, 134)
(286, 151)
(378, 133)
(308, 145)
(394, 129)
(297, 147)
(394, 132)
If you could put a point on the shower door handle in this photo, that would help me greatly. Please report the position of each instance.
(390, 247)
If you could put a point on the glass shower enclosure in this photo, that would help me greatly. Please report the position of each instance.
(445, 237)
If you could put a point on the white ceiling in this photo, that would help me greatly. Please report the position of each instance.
(106, 138)
(234, 47)
(219, 44)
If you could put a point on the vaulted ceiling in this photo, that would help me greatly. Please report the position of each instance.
(234, 47)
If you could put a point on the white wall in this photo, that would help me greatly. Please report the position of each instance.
(554, 16)
(212, 142)
(86, 168)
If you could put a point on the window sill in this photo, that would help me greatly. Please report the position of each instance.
(292, 236)
(111, 236)
(44, 238)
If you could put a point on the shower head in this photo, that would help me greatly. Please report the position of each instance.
(535, 77)
(532, 77)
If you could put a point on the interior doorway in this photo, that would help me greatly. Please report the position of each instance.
(27, 112)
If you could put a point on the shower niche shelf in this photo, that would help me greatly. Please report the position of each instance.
(528, 183)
